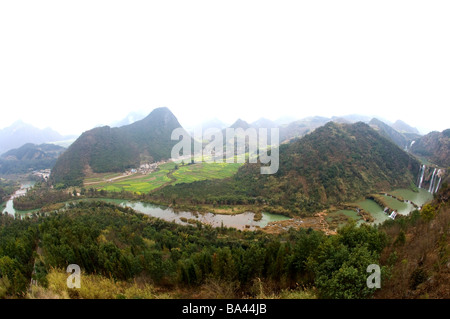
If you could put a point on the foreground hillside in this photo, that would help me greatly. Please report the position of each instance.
(123, 254)
(333, 164)
(418, 254)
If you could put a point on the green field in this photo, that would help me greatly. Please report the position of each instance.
(167, 174)
(204, 171)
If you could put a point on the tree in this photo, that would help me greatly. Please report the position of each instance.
(341, 273)
(428, 212)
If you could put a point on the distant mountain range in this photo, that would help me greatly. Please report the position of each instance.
(264, 123)
(214, 124)
(115, 149)
(389, 132)
(29, 157)
(106, 149)
(21, 133)
(301, 127)
(402, 127)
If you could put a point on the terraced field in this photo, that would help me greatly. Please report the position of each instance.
(167, 174)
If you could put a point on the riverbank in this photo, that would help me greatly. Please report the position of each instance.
(8, 207)
(264, 217)
(376, 208)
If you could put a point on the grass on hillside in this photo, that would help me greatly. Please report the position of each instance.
(93, 287)
(100, 287)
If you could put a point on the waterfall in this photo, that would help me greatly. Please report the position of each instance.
(421, 172)
(438, 184)
(430, 189)
(408, 148)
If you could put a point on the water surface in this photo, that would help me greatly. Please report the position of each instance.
(239, 221)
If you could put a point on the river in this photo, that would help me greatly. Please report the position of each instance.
(239, 221)
(420, 198)
(9, 207)
(246, 220)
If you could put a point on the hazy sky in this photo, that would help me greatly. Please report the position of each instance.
(73, 65)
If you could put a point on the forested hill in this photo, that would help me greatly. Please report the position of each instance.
(107, 149)
(340, 162)
(29, 157)
(31, 151)
(435, 147)
(335, 163)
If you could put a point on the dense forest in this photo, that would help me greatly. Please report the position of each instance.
(122, 246)
(118, 243)
(17, 244)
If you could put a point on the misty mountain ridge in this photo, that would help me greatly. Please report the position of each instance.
(434, 146)
(403, 127)
(29, 157)
(20, 133)
(264, 123)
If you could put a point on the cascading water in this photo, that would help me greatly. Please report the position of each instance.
(438, 184)
(421, 172)
(430, 189)
(408, 148)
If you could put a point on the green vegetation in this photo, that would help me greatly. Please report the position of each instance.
(337, 163)
(166, 174)
(204, 171)
(124, 254)
(39, 197)
(116, 243)
(17, 242)
(141, 183)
